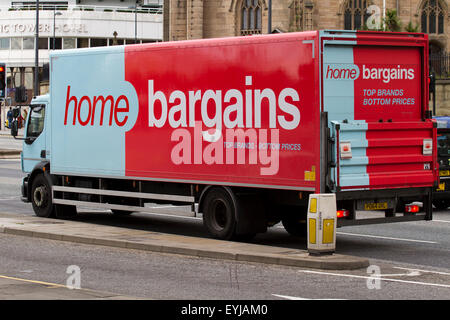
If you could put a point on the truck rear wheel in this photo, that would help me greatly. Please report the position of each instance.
(219, 214)
(294, 221)
(41, 197)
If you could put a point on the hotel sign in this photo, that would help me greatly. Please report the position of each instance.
(15, 28)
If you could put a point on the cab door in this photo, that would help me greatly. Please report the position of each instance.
(34, 145)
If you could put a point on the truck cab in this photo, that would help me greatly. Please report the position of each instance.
(34, 156)
(34, 144)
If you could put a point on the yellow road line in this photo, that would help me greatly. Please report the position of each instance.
(55, 285)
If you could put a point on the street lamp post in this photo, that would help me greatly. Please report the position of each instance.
(269, 24)
(36, 53)
(135, 23)
(135, 19)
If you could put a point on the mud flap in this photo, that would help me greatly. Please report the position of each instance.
(251, 215)
(428, 205)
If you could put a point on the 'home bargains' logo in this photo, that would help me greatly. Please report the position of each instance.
(352, 72)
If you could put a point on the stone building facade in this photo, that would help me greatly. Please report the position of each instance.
(194, 19)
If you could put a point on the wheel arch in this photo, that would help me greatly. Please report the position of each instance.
(42, 167)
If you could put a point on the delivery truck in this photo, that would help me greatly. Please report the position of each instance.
(241, 130)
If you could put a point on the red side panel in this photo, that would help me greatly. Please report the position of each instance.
(260, 89)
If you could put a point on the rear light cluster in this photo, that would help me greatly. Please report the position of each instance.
(344, 213)
(346, 150)
(427, 146)
(412, 208)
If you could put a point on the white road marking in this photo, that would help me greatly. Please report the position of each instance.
(381, 237)
(409, 274)
(379, 278)
(298, 298)
(289, 297)
(424, 271)
(446, 221)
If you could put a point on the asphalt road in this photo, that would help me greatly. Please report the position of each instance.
(163, 276)
(413, 258)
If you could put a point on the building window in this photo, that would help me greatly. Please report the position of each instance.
(16, 43)
(4, 44)
(251, 17)
(82, 42)
(55, 43)
(69, 43)
(432, 17)
(28, 43)
(355, 14)
(96, 42)
(43, 43)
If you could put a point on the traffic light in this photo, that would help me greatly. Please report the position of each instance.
(2, 81)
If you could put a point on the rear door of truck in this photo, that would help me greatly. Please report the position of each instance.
(374, 91)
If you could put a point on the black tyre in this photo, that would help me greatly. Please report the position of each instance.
(441, 204)
(389, 213)
(219, 214)
(41, 197)
(295, 224)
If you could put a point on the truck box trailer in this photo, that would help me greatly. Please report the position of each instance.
(241, 129)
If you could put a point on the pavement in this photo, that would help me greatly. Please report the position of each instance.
(10, 151)
(93, 234)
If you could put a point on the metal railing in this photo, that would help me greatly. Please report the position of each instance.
(440, 65)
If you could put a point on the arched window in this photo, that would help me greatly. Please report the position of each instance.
(355, 14)
(432, 17)
(251, 17)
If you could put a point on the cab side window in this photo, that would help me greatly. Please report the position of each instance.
(36, 121)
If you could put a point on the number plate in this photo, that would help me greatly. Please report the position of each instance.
(444, 173)
(376, 206)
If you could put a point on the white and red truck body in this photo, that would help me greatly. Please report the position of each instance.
(279, 116)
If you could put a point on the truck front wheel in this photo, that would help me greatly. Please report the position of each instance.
(41, 197)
